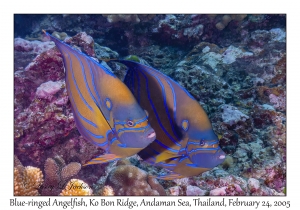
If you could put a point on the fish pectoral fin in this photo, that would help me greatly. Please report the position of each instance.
(170, 176)
(103, 159)
(164, 156)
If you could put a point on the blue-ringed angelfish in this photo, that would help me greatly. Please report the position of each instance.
(105, 111)
(185, 142)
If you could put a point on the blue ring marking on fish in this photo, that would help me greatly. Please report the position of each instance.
(164, 146)
(203, 149)
(182, 159)
(192, 165)
(77, 88)
(149, 155)
(84, 77)
(157, 117)
(133, 129)
(174, 101)
(93, 81)
(165, 105)
(187, 127)
(111, 105)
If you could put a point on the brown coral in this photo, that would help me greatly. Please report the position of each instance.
(27, 180)
(57, 174)
(106, 191)
(130, 180)
(226, 20)
(76, 187)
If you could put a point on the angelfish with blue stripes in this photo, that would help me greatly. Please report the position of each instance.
(105, 111)
(185, 141)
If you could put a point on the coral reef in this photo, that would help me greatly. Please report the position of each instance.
(234, 65)
(76, 187)
(27, 180)
(57, 175)
(130, 180)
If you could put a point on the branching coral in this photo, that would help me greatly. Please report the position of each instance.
(57, 174)
(76, 187)
(27, 180)
(130, 180)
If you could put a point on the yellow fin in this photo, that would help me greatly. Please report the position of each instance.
(164, 156)
(103, 159)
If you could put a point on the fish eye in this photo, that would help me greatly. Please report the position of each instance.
(202, 142)
(130, 123)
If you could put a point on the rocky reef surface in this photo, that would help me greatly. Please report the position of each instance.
(234, 65)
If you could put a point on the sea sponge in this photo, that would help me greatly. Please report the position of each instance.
(130, 180)
(76, 187)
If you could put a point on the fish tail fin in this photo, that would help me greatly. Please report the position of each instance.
(103, 159)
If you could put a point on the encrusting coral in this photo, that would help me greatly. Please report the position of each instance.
(76, 187)
(57, 174)
(106, 191)
(130, 180)
(27, 180)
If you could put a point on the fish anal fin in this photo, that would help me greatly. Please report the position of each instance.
(165, 156)
(170, 176)
(103, 159)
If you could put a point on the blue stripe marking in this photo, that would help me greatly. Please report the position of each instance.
(164, 146)
(85, 80)
(157, 117)
(125, 122)
(77, 111)
(168, 164)
(59, 42)
(86, 120)
(206, 142)
(192, 165)
(167, 77)
(77, 88)
(174, 100)
(182, 159)
(166, 107)
(93, 81)
(133, 129)
(202, 149)
(113, 140)
(139, 87)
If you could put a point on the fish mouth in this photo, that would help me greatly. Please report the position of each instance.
(151, 135)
